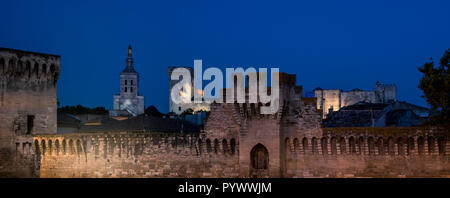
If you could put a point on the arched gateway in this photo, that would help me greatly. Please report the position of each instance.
(259, 161)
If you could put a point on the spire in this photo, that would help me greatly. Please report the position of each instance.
(129, 68)
(129, 51)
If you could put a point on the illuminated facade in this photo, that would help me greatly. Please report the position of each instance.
(329, 100)
(180, 108)
(128, 102)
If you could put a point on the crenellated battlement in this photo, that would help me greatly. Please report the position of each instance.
(386, 141)
(169, 155)
(21, 69)
(28, 106)
(367, 152)
(119, 143)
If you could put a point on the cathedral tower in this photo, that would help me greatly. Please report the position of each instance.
(129, 102)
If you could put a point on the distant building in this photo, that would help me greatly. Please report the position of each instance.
(329, 100)
(128, 102)
(180, 108)
(364, 114)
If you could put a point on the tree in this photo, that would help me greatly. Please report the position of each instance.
(187, 112)
(79, 109)
(153, 111)
(436, 89)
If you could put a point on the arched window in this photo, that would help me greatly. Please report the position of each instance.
(410, 146)
(11, 66)
(225, 146)
(43, 147)
(401, 146)
(71, 149)
(79, 147)
(324, 144)
(2, 66)
(208, 146)
(314, 146)
(352, 145)
(361, 145)
(216, 146)
(44, 69)
(20, 68)
(441, 145)
(305, 145)
(36, 69)
(390, 146)
(342, 146)
(28, 69)
(380, 146)
(431, 145)
(57, 147)
(50, 147)
(52, 68)
(333, 142)
(420, 145)
(259, 157)
(199, 146)
(371, 144)
(233, 146)
(64, 146)
(37, 149)
(296, 145)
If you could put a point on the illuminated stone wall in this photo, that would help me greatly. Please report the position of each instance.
(352, 97)
(335, 99)
(334, 152)
(28, 106)
(134, 155)
(368, 152)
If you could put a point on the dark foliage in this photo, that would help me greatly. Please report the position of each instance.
(79, 109)
(153, 111)
(436, 89)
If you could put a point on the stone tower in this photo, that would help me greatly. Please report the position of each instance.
(386, 93)
(128, 102)
(28, 107)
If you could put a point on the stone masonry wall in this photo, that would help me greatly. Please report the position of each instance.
(133, 155)
(369, 152)
(335, 152)
(27, 107)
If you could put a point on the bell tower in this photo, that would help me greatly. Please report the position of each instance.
(129, 102)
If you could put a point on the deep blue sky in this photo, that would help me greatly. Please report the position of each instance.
(331, 44)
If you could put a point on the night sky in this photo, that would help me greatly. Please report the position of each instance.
(331, 44)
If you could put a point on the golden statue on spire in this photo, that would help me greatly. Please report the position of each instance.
(129, 50)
